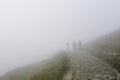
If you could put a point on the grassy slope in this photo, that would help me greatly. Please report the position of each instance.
(52, 69)
(105, 47)
(110, 42)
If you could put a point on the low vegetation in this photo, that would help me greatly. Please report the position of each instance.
(52, 69)
(107, 48)
(56, 69)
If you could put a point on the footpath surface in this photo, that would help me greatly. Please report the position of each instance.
(87, 67)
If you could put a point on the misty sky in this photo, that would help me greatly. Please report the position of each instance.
(31, 30)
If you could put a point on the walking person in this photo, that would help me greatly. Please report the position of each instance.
(74, 45)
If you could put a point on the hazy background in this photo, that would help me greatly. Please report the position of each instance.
(33, 30)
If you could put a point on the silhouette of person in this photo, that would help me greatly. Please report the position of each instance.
(79, 44)
(68, 47)
(74, 45)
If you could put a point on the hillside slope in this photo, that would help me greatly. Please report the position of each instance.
(107, 48)
(109, 42)
(52, 69)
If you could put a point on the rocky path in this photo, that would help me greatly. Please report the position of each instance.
(87, 67)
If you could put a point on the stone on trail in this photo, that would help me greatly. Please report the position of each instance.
(88, 67)
(118, 76)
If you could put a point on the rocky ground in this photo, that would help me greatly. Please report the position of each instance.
(87, 67)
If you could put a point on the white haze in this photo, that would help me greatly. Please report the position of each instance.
(32, 30)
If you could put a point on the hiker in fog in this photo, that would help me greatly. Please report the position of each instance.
(74, 45)
(79, 45)
(68, 47)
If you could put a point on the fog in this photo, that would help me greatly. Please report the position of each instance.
(33, 30)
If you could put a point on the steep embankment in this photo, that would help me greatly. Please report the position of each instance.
(107, 48)
(108, 42)
(52, 69)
